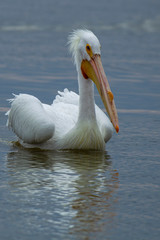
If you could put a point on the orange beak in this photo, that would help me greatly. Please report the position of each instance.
(93, 69)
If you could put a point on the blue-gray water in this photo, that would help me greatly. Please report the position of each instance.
(82, 195)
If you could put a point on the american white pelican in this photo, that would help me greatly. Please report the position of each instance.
(72, 121)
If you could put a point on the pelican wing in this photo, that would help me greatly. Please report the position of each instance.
(64, 112)
(28, 119)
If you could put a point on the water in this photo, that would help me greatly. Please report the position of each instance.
(82, 195)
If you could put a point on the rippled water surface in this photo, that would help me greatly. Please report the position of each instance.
(74, 194)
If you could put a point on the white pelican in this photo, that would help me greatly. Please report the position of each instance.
(72, 121)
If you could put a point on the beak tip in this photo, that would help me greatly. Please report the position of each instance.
(117, 128)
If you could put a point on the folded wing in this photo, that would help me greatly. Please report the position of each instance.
(29, 120)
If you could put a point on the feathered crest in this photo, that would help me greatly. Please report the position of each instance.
(74, 39)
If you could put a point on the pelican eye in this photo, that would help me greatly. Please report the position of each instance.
(88, 47)
(89, 50)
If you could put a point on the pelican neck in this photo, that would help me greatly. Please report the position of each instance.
(86, 99)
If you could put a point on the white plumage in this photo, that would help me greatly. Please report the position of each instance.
(72, 121)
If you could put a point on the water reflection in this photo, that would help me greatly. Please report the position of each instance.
(74, 190)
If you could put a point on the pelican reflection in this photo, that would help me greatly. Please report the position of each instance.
(79, 187)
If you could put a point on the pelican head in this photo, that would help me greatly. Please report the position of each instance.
(85, 48)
